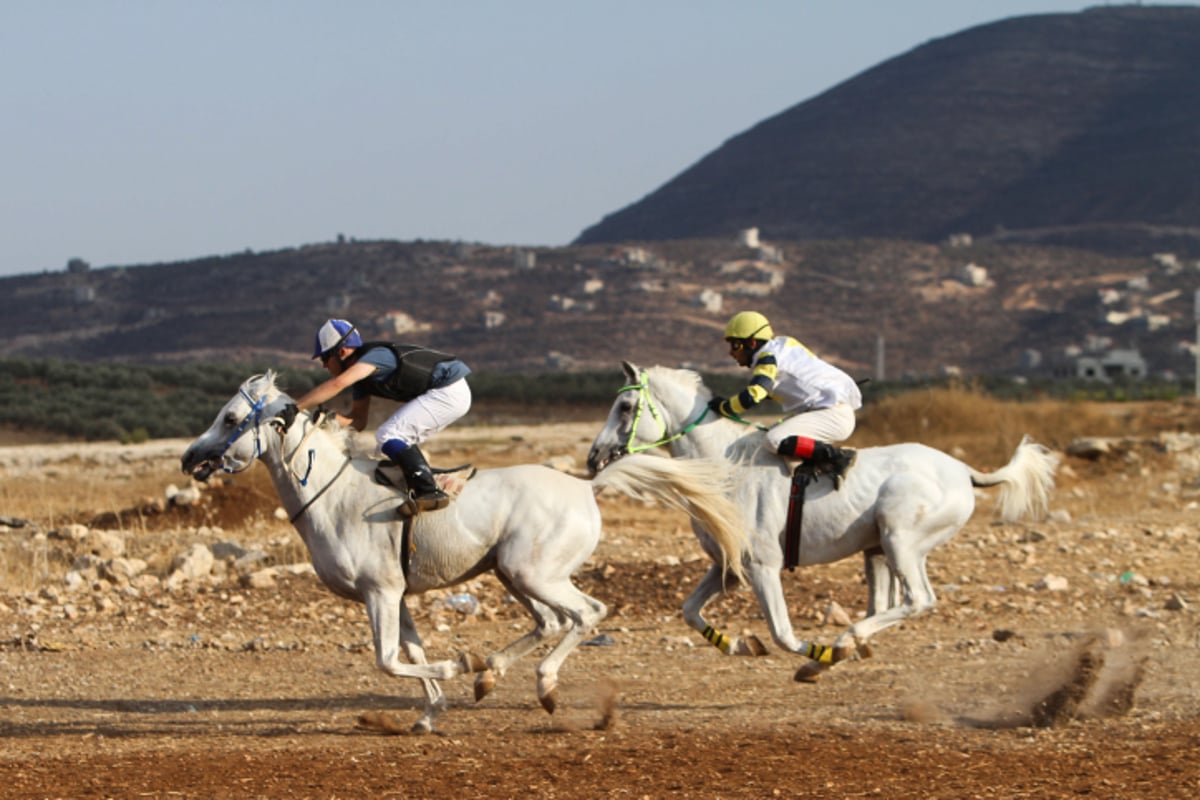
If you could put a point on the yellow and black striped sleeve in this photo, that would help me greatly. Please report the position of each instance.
(759, 389)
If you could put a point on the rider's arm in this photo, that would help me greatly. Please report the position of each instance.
(335, 385)
(759, 388)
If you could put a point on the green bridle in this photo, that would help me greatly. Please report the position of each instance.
(645, 400)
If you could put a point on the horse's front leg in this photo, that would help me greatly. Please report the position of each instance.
(414, 650)
(392, 626)
(769, 590)
(712, 584)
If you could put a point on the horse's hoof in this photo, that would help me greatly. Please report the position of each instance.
(485, 681)
(749, 646)
(549, 701)
(865, 651)
(422, 727)
(809, 673)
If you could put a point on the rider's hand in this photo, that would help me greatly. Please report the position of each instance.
(284, 419)
(714, 405)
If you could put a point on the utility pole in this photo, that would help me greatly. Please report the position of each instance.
(1196, 314)
(879, 349)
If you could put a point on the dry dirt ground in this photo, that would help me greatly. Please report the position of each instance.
(220, 688)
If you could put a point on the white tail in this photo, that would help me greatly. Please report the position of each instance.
(1025, 481)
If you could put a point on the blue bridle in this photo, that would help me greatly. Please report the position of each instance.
(255, 416)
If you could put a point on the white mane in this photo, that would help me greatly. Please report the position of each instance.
(688, 380)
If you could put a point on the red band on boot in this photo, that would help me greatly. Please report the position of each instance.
(804, 447)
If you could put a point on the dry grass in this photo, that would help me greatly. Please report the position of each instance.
(61, 494)
(985, 430)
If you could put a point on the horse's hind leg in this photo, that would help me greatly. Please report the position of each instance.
(884, 588)
(907, 563)
(584, 613)
(547, 624)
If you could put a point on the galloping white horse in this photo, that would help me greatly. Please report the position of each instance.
(896, 504)
(530, 525)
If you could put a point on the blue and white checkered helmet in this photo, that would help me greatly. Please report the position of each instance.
(333, 334)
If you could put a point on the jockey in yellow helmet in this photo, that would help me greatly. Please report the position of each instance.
(818, 399)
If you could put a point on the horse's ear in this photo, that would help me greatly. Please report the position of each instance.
(631, 372)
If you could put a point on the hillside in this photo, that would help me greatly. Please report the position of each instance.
(982, 309)
(1074, 129)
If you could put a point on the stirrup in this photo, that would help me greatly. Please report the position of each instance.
(407, 508)
(431, 501)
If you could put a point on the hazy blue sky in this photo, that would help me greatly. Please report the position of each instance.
(134, 132)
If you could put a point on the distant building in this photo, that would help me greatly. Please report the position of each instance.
(1110, 366)
(524, 259)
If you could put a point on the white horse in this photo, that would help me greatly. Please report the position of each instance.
(897, 504)
(530, 525)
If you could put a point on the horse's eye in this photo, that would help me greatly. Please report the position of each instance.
(624, 407)
(230, 420)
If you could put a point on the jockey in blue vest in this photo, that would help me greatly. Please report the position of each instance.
(431, 387)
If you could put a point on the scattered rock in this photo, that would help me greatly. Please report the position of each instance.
(1176, 603)
(262, 579)
(123, 570)
(1091, 447)
(188, 496)
(104, 545)
(194, 563)
(1052, 583)
(836, 615)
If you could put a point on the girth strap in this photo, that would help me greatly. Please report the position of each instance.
(406, 545)
(801, 477)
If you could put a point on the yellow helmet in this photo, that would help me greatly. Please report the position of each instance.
(749, 325)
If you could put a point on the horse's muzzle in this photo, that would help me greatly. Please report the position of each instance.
(199, 468)
(598, 460)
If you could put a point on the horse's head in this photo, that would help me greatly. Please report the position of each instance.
(237, 436)
(648, 413)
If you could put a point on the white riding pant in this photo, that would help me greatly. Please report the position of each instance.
(834, 424)
(426, 414)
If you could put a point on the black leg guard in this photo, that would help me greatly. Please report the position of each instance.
(834, 460)
(422, 488)
(787, 447)
(824, 459)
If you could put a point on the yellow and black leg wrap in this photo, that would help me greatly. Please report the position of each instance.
(717, 639)
(819, 652)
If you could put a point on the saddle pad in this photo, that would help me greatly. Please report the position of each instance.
(452, 483)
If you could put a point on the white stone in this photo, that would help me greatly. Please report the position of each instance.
(1052, 583)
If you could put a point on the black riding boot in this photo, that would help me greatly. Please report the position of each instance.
(825, 458)
(422, 488)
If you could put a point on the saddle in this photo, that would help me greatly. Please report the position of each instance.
(448, 480)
